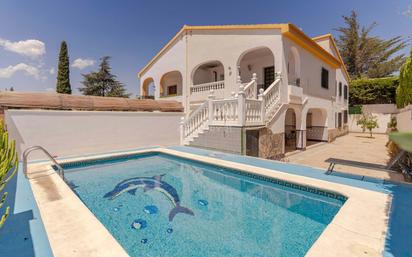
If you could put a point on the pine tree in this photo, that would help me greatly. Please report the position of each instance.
(404, 91)
(63, 72)
(102, 82)
(365, 55)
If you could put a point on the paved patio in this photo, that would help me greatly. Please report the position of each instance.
(355, 154)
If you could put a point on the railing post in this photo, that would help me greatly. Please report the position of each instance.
(210, 99)
(262, 104)
(255, 90)
(182, 130)
(241, 106)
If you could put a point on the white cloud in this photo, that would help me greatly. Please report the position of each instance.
(408, 11)
(51, 71)
(28, 69)
(32, 48)
(82, 63)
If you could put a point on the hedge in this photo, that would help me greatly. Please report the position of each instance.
(373, 91)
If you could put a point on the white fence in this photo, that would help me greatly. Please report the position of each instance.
(72, 133)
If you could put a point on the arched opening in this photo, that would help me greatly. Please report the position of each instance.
(293, 67)
(171, 84)
(260, 61)
(290, 130)
(212, 71)
(316, 126)
(147, 90)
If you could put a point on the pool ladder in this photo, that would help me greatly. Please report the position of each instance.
(37, 147)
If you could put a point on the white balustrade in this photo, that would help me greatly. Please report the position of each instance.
(271, 97)
(251, 88)
(253, 109)
(241, 109)
(225, 112)
(196, 120)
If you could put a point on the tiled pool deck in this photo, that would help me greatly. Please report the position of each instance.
(399, 232)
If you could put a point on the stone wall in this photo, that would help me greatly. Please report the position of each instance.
(271, 145)
(337, 132)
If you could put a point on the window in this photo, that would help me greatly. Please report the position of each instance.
(215, 75)
(172, 90)
(339, 120)
(325, 78)
(345, 117)
(345, 92)
(340, 88)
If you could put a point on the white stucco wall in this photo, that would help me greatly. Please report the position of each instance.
(228, 47)
(382, 118)
(71, 133)
(404, 119)
(171, 60)
(310, 71)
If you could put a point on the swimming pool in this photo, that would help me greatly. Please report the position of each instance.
(160, 205)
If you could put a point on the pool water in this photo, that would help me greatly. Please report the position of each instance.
(160, 205)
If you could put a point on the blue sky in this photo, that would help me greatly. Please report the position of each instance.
(131, 32)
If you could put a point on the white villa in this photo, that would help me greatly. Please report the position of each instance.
(260, 90)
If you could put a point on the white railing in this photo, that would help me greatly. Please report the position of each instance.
(225, 112)
(206, 87)
(253, 112)
(196, 120)
(271, 97)
(251, 88)
(239, 110)
(200, 92)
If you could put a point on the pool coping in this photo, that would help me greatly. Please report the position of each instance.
(358, 229)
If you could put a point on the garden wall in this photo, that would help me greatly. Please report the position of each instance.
(404, 119)
(383, 120)
(72, 133)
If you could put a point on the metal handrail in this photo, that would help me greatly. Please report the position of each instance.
(37, 147)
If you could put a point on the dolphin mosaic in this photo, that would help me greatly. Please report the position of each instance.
(148, 183)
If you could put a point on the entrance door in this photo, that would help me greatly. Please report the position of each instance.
(252, 143)
(269, 76)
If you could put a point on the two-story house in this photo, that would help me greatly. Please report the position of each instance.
(260, 90)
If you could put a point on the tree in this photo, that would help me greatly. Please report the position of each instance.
(368, 122)
(404, 91)
(365, 55)
(102, 82)
(63, 71)
(8, 168)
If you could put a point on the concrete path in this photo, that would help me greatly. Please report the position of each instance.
(354, 154)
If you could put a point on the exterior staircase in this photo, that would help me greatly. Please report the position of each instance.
(242, 109)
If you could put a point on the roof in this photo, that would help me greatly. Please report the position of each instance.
(287, 29)
(88, 103)
(333, 42)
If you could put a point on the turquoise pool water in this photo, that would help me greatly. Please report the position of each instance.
(160, 205)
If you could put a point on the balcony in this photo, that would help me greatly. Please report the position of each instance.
(200, 92)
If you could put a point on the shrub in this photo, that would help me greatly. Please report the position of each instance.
(373, 91)
(8, 167)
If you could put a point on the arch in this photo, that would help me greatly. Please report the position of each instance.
(148, 87)
(290, 130)
(171, 83)
(209, 71)
(259, 60)
(293, 66)
(316, 125)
